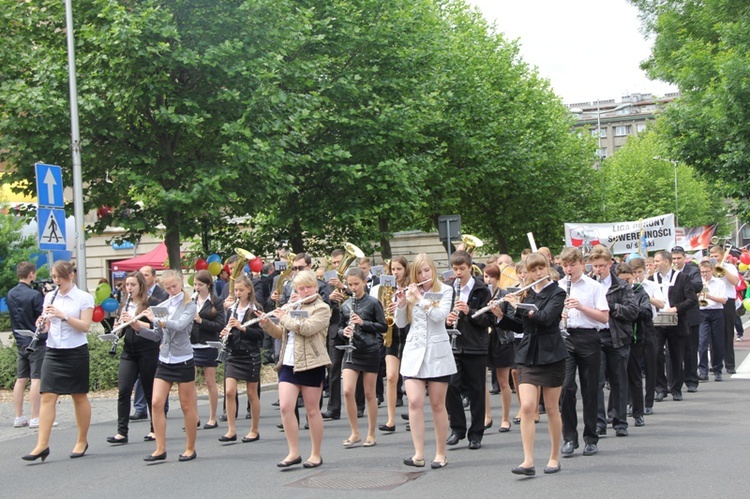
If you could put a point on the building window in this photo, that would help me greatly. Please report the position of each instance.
(602, 133)
(622, 131)
(640, 127)
(601, 153)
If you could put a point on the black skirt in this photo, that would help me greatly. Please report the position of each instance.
(205, 357)
(366, 363)
(548, 375)
(243, 367)
(501, 354)
(66, 370)
(312, 377)
(182, 372)
(399, 340)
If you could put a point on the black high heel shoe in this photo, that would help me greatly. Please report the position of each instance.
(34, 457)
(75, 455)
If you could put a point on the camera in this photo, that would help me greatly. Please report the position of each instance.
(43, 285)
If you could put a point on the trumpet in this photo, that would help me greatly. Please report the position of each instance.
(719, 270)
(703, 296)
(284, 277)
(283, 307)
(35, 339)
(495, 303)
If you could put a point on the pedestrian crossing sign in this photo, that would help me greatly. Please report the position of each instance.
(51, 229)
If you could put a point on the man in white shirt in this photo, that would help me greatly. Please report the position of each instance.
(731, 279)
(711, 299)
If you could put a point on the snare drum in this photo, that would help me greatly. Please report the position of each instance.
(665, 319)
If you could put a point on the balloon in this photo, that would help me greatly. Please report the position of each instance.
(256, 264)
(226, 269)
(110, 305)
(213, 258)
(746, 303)
(631, 256)
(214, 268)
(742, 267)
(200, 264)
(103, 291)
(98, 314)
(745, 258)
(246, 269)
(191, 279)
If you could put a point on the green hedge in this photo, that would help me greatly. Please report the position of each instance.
(103, 366)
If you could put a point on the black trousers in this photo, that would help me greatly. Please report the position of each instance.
(691, 356)
(584, 355)
(334, 378)
(635, 381)
(133, 365)
(650, 354)
(676, 343)
(711, 332)
(613, 366)
(729, 314)
(471, 379)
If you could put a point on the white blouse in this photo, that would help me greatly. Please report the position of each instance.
(61, 334)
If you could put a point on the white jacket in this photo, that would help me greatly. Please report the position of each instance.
(427, 352)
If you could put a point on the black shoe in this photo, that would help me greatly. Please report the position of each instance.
(453, 439)
(417, 463)
(639, 421)
(115, 440)
(516, 420)
(465, 402)
(34, 457)
(542, 409)
(138, 416)
(280, 426)
(149, 438)
(248, 415)
(601, 430)
(192, 456)
(548, 470)
(225, 438)
(408, 427)
(609, 419)
(399, 403)
(310, 464)
(223, 418)
(326, 394)
(209, 426)
(590, 450)
(436, 465)
(488, 425)
(405, 417)
(328, 415)
(647, 411)
(520, 470)
(300, 403)
(307, 425)
(275, 404)
(286, 464)
(677, 397)
(159, 457)
(718, 377)
(475, 444)
(360, 414)
(703, 377)
(76, 455)
(621, 432)
(730, 371)
(251, 439)
(494, 391)
(386, 428)
(568, 448)
(630, 410)
(692, 389)
(660, 396)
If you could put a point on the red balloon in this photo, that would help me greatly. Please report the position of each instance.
(256, 265)
(745, 258)
(98, 314)
(201, 264)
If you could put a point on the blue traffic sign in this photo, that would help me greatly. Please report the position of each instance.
(49, 185)
(51, 229)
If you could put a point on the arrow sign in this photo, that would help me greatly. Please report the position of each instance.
(49, 185)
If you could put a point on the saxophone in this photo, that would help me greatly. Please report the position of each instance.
(385, 295)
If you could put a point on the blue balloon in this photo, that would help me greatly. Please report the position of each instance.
(247, 269)
(213, 258)
(631, 256)
(110, 305)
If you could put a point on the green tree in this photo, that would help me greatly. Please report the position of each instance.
(704, 48)
(638, 182)
(13, 248)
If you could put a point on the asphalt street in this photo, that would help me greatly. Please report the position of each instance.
(692, 448)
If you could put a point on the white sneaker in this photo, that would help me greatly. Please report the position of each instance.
(20, 422)
(34, 423)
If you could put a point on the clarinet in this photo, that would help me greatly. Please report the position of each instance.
(453, 333)
(35, 339)
(350, 346)
(116, 341)
(223, 352)
(564, 322)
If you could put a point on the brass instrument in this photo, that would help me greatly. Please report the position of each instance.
(470, 243)
(283, 278)
(703, 296)
(352, 252)
(239, 267)
(385, 295)
(35, 339)
(508, 277)
(719, 270)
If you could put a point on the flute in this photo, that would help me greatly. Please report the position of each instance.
(284, 307)
(137, 317)
(406, 289)
(495, 303)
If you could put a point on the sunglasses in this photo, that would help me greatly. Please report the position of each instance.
(299, 269)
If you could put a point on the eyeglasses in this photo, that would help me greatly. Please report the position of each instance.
(299, 269)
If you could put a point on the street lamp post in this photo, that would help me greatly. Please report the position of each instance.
(674, 163)
(599, 112)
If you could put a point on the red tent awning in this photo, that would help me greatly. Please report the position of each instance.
(156, 258)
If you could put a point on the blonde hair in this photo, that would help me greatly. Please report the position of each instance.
(305, 278)
(419, 261)
(173, 274)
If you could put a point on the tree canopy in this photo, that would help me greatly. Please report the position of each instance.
(704, 48)
(315, 121)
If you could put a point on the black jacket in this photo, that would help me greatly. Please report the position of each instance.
(644, 324)
(157, 296)
(248, 343)
(623, 311)
(211, 324)
(369, 336)
(25, 305)
(542, 342)
(474, 338)
(694, 273)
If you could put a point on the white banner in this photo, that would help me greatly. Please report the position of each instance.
(647, 235)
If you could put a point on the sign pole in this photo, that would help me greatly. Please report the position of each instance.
(80, 235)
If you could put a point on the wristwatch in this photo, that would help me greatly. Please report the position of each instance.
(65, 318)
